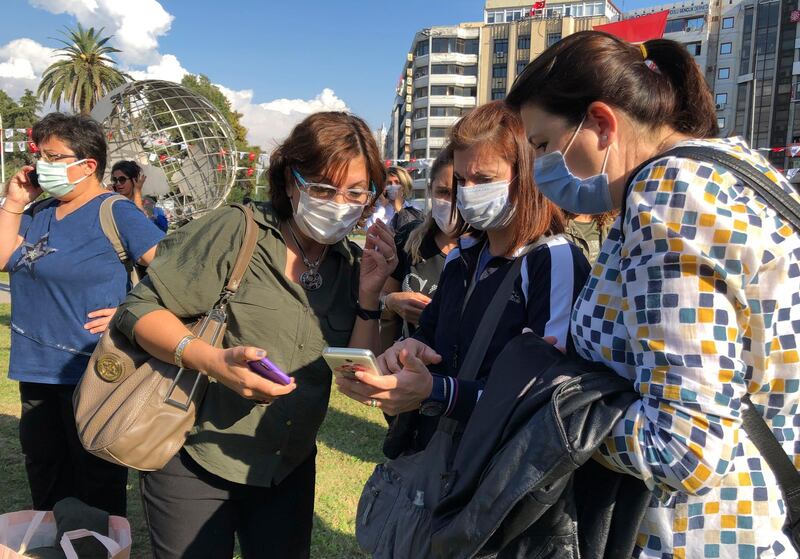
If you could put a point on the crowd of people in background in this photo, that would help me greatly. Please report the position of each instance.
(668, 271)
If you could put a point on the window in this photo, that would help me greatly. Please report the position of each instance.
(447, 111)
(440, 45)
(726, 48)
(438, 132)
(695, 24)
(422, 48)
(470, 46)
(420, 92)
(452, 90)
(419, 134)
(498, 94)
(521, 66)
(439, 90)
(499, 71)
(721, 123)
(418, 154)
(724, 73)
(434, 153)
(420, 113)
(454, 69)
(524, 42)
(727, 23)
(694, 48)
(500, 45)
(471, 70)
(420, 72)
(553, 38)
(721, 98)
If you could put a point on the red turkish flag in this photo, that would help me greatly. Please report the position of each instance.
(250, 172)
(162, 157)
(220, 167)
(637, 29)
(32, 147)
(30, 133)
(252, 156)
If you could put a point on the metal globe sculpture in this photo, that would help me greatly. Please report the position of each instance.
(183, 143)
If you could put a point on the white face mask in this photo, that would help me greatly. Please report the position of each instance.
(441, 213)
(485, 206)
(326, 222)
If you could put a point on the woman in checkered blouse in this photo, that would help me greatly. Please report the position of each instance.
(694, 296)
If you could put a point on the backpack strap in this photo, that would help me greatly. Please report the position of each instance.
(109, 226)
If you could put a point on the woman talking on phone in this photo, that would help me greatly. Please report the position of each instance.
(247, 468)
(495, 194)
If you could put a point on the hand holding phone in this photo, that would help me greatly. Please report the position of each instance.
(269, 371)
(346, 361)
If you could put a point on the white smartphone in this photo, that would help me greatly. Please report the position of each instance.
(346, 361)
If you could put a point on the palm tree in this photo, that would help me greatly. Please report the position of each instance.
(85, 72)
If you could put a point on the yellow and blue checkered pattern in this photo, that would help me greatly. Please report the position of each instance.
(699, 303)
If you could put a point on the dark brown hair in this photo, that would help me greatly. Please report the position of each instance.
(665, 88)
(498, 127)
(322, 146)
(413, 245)
(81, 133)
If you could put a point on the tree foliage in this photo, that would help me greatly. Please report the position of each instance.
(85, 73)
(245, 186)
(17, 115)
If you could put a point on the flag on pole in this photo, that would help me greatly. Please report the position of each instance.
(9, 147)
(9, 133)
(22, 145)
(252, 156)
(250, 172)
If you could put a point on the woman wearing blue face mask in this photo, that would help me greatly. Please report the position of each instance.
(66, 280)
(399, 211)
(494, 194)
(694, 296)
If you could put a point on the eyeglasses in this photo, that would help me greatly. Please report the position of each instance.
(118, 180)
(326, 192)
(53, 157)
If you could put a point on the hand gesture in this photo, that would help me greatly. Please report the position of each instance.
(390, 363)
(102, 318)
(407, 305)
(378, 260)
(138, 182)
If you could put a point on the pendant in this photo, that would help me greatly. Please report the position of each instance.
(311, 280)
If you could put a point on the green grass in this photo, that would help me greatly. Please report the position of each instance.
(4, 277)
(349, 446)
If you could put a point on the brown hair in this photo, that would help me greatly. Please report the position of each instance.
(663, 88)
(323, 145)
(414, 242)
(497, 127)
(405, 180)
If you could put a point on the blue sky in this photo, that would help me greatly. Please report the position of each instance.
(269, 49)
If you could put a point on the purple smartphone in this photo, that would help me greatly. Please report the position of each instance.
(269, 371)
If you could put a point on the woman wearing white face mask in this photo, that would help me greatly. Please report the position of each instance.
(399, 210)
(421, 252)
(494, 194)
(66, 280)
(694, 296)
(248, 469)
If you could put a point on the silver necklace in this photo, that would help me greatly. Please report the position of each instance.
(311, 279)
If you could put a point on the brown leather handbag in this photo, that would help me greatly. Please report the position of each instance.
(135, 410)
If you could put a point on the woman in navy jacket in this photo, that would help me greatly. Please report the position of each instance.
(495, 194)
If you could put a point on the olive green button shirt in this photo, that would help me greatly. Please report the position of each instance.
(235, 438)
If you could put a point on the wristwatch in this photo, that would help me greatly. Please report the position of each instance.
(364, 314)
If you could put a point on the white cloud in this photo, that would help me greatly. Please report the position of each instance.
(168, 68)
(22, 62)
(270, 123)
(136, 25)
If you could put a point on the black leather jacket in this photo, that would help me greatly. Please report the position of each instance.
(525, 485)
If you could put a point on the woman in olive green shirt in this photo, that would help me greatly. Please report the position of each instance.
(247, 468)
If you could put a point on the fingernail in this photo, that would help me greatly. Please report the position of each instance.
(261, 353)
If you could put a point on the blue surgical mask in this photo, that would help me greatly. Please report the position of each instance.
(579, 196)
(53, 177)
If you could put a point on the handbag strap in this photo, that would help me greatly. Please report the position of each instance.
(245, 252)
(789, 209)
(485, 333)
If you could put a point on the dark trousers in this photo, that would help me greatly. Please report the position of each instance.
(56, 463)
(194, 514)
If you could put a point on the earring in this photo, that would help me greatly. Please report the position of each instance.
(604, 137)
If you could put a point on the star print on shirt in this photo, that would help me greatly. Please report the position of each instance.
(33, 252)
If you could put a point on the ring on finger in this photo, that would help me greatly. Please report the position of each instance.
(391, 259)
(373, 403)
